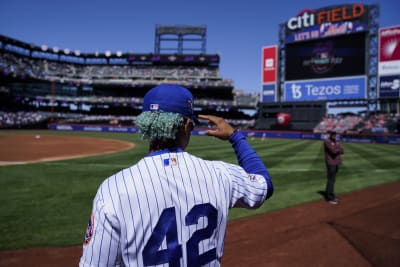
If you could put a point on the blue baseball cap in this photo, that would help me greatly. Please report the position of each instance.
(170, 98)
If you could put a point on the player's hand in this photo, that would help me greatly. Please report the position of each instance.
(222, 130)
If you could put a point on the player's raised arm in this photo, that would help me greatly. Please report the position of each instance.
(222, 130)
(247, 157)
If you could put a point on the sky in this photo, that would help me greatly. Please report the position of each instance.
(236, 29)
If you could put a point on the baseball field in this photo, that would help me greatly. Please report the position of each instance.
(46, 198)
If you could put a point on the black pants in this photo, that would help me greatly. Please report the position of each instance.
(331, 171)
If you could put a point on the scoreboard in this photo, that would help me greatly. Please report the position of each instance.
(322, 56)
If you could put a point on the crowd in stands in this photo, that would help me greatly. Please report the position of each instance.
(32, 119)
(23, 66)
(35, 119)
(98, 119)
(342, 124)
(194, 76)
(21, 119)
(126, 100)
(358, 124)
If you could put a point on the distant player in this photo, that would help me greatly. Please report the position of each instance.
(171, 208)
(333, 151)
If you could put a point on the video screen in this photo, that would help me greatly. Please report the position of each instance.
(337, 56)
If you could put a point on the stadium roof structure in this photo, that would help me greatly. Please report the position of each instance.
(107, 57)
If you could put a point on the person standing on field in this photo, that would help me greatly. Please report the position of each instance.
(171, 208)
(333, 151)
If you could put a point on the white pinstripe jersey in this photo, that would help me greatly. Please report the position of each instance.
(169, 209)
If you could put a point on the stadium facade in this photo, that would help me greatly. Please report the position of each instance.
(55, 80)
(331, 57)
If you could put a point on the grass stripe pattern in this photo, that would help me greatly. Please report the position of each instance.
(48, 204)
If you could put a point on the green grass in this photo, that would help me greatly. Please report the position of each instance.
(48, 204)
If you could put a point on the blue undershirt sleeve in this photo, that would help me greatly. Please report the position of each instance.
(249, 160)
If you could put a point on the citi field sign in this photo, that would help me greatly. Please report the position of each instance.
(327, 21)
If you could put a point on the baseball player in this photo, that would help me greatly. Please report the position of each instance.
(171, 207)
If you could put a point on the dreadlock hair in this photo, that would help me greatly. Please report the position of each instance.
(158, 126)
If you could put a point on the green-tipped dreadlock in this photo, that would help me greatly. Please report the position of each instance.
(159, 125)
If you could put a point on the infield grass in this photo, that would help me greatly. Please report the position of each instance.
(48, 204)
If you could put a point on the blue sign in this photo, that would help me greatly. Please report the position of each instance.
(92, 128)
(389, 86)
(326, 89)
(268, 94)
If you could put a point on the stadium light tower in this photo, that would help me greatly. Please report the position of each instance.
(181, 35)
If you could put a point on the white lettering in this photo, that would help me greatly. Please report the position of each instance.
(92, 128)
(296, 92)
(269, 92)
(395, 84)
(302, 36)
(351, 89)
(315, 34)
(303, 21)
(390, 32)
(117, 129)
(64, 127)
(322, 90)
(269, 63)
(291, 24)
(308, 20)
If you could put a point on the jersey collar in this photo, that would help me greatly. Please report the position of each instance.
(163, 151)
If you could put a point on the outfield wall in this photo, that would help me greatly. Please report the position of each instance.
(356, 138)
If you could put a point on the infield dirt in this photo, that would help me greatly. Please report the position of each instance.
(29, 148)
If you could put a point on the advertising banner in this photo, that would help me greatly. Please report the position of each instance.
(326, 30)
(389, 86)
(389, 50)
(328, 21)
(92, 128)
(269, 64)
(326, 89)
(269, 93)
(384, 139)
